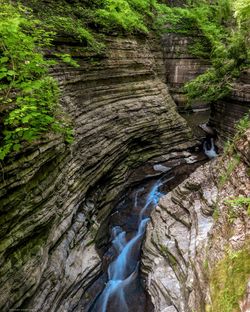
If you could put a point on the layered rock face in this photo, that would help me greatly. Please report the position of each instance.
(181, 67)
(192, 229)
(228, 111)
(53, 198)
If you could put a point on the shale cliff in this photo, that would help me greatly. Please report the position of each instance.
(53, 198)
(226, 112)
(196, 253)
(182, 66)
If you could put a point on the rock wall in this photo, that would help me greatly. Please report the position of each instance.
(228, 111)
(192, 229)
(53, 197)
(181, 67)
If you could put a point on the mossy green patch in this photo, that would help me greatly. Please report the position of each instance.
(229, 279)
(242, 125)
(233, 163)
(216, 213)
(239, 201)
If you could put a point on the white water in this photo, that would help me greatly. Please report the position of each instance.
(210, 152)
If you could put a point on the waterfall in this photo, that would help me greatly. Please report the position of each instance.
(124, 268)
(209, 148)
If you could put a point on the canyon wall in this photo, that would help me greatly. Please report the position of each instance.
(197, 244)
(54, 197)
(226, 112)
(181, 67)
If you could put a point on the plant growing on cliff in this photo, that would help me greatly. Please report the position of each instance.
(239, 201)
(90, 21)
(242, 125)
(220, 29)
(29, 96)
(230, 167)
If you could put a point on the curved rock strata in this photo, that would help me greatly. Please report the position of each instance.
(53, 198)
(192, 229)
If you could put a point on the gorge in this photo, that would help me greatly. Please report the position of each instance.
(133, 215)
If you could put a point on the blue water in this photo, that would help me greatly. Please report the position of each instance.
(124, 269)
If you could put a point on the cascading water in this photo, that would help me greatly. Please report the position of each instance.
(209, 148)
(123, 270)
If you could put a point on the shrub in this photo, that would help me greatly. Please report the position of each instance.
(29, 96)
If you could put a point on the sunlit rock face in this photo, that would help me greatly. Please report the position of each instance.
(53, 197)
(192, 229)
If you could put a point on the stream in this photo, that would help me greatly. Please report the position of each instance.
(122, 286)
(127, 232)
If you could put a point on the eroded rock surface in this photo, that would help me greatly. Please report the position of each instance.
(226, 112)
(53, 198)
(192, 229)
(181, 67)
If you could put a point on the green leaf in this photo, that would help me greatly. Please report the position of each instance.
(2, 75)
(11, 73)
(16, 147)
(4, 59)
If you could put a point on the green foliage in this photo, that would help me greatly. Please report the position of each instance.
(27, 92)
(28, 95)
(242, 12)
(200, 48)
(216, 214)
(123, 14)
(221, 36)
(87, 21)
(82, 20)
(70, 20)
(241, 127)
(75, 28)
(233, 163)
(208, 86)
(66, 58)
(240, 201)
(229, 279)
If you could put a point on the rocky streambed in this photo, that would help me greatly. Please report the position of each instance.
(195, 235)
(120, 286)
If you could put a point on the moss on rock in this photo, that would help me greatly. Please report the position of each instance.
(228, 280)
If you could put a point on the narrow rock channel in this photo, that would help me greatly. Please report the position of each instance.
(126, 242)
(120, 286)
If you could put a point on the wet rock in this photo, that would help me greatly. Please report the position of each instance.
(161, 168)
(226, 112)
(53, 198)
(207, 129)
(191, 230)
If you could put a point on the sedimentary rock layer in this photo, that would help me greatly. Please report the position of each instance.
(181, 67)
(192, 228)
(53, 197)
(226, 112)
